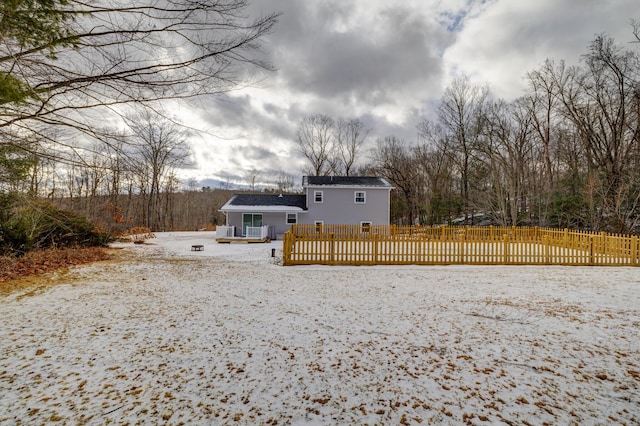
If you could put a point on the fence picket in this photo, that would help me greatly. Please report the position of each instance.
(441, 245)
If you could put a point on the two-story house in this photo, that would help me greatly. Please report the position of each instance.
(345, 200)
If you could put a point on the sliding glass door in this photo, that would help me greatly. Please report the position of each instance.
(250, 219)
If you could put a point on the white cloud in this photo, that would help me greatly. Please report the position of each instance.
(388, 63)
(508, 38)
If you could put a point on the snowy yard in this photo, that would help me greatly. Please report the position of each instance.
(227, 335)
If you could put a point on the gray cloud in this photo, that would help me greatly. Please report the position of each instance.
(258, 153)
(228, 111)
(387, 63)
(363, 64)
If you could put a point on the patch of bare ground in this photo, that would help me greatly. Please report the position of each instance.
(18, 272)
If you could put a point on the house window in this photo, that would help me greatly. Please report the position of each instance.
(318, 224)
(292, 218)
(251, 220)
(317, 196)
(365, 227)
(360, 197)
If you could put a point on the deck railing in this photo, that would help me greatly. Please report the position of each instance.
(444, 245)
(225, 231)
(260, 232)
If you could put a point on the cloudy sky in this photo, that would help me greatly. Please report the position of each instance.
(386, 63)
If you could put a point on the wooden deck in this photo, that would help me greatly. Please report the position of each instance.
(242, 240)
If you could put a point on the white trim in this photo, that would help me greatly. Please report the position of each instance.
(258, 209)
(364, 197)
(379, 187)
(315, 197)
(286, 218)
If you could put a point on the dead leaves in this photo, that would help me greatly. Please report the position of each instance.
(42, 261)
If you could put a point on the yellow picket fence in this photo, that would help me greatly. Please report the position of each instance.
(446, 245)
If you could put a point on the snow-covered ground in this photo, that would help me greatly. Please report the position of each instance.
(228, 336)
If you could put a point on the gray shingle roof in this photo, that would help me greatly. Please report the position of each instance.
(368, 181)
(284, 200)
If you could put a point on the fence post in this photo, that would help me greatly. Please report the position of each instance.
(286, 246)
(591, 258)
(332, 249)
(634, 251)
(374, 241)
(547, 249)
(505, 249)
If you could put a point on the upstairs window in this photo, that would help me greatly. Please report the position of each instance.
(292, 218)
(317, 196)
(360, 197)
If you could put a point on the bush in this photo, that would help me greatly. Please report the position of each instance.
(27, 224)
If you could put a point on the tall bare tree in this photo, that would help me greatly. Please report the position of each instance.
(350, 136)
(316, 143)
(331, 147)
(252, 177)
(599, 100)
(395, 160)
(461, 114)
(158, 147)
(71, 63)
(544, 86)
(284, 181)
(436, 162)
(507, 151)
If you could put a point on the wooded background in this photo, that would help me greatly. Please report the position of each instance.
(565, 154)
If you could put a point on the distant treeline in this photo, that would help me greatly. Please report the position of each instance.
(175, 211)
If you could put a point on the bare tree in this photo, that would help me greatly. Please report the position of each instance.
(461, 115)
(284, 182)
(395, 160)
(315, 141)
(507, 152)
(252, 176)
(77, 61)
(436, 161)
(331, 147)
(543, 103)
(158, 146)
(350, 136)
(599, 101)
